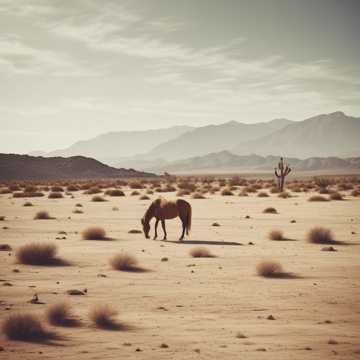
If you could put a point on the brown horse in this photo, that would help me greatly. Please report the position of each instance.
(163, 209)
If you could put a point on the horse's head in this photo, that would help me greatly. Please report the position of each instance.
(146, 228)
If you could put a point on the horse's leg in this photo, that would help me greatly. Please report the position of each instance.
(163, 226)
(183, 230)
(156, 225)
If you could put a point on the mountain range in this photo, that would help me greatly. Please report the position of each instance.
(25, 167)
(326, 135)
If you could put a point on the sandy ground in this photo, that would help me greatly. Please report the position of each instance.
(195, 306)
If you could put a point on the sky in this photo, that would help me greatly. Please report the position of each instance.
(74, 69)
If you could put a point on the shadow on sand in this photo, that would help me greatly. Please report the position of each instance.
(204, 242)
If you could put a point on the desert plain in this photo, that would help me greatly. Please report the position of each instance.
(180, 307)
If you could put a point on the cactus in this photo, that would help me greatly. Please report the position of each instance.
(281, 172)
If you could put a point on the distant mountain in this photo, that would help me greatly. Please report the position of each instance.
(111, 146)
(334, 134)
(225, 161)
(214, 138)
(25, 167)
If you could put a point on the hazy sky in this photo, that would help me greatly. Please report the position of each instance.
(72, 69)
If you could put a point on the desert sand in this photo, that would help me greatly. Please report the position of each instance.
(190, 308)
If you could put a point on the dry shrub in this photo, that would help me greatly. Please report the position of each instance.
(263, 194)
(55, 195)
(103, 317)
(42, 215)
(144, 197)
(38, 254)
(320, 235)
(336, 196)
(114, 192)
(94, 233)
(149, 192)
(135, 193)
(97, 198)
(124, 262)
(2, 218)
(284, 195)
(269, 269)
(136, 185)
(226, 192)
(25, 327)
(27, 194)
(77, 211)
(270, 210)
(276, 235)
(59, 314)
(5, 191)
(200, 252)
(92, 191)
(274, 190)
(28, 203)
(243, 193)
(317, 198)
(198, 196)
(355, 193)
(78, 205)
(57, 189)
(72, 188)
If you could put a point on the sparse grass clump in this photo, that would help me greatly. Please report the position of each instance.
(198, 196)
(226, 192)
(92, 191)
(276, 235)
(183, 192)
(124, 262)
(28, 203)
(269, 269)
(94, 233)
(42, 215)
(320, 235)
(336, 196)
(97, 198)
(135, 193)
(25, 327)
(201, 252)
(144, 197)
(27, 194)
(114, 192)
(317, 198)
(37, 254)
(103, 317)
(270, 210)
(263, 194)
(284, 195)
(59, 314)
(55, 195)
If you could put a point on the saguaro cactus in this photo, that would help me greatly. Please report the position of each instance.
(281, 172)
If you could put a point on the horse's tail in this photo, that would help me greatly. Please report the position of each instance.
(188, 220)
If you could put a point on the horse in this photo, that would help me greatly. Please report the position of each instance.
(163, 209)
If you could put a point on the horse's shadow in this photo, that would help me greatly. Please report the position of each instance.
(205, 242)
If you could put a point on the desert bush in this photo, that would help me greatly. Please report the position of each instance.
(4, 191)
(276, 235)
(270, 210)
(92, 191)
(200, 252)
(269, 269)
(144, 197)
(355, 193)
(42, 215)
(28, 203)
(97, 198)
(320, 235)
(263, 194)
(37, 254)
(94, 233)
(25, 327)
(336, 196)
(56, 189)
(14, 187)
(59, 314)
(72, 188)
(226, 192)
(2, 218)
(185, 185)
(284, 195)
(183, 192)
(78, 205)
(150, 192)
(124, 262)
(55, 195)
(103, 317)
(274, 190)
(26, 194)
(135, 193)
(317, 198)
(114, 192)
(77, 211)
(136, 185)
